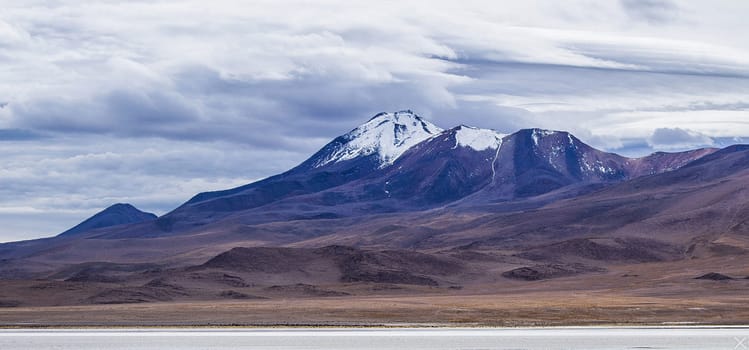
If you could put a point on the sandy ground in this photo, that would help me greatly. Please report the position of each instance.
(527, 309)
(640, 294)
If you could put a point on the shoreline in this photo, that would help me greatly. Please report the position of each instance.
(363, 327)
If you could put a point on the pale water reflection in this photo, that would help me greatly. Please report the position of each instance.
(381, 338)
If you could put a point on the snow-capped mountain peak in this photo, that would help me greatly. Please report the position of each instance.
(388, 135)
(478, 139)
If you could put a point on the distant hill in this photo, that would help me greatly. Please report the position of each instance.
(117, 214)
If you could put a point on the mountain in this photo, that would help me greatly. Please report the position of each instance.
(697, 210)
(532, 162)
(117, 214)
(372, 146)
(400, 162)
(399, 206)
(382, 139)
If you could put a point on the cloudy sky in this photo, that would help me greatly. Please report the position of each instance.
(150, 102)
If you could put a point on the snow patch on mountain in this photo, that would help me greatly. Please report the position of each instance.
(388, 135)
(478, 139)
(597, 167)
(539, 133)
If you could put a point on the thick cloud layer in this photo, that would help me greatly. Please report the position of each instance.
(150, 102)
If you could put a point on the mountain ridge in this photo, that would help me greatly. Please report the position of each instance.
(540, 161)
(400, 162)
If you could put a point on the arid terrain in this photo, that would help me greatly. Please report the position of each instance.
(511, 308)
(641, 294)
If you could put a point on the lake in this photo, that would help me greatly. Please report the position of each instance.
(706, 338)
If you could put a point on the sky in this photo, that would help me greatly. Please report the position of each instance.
(150, 102)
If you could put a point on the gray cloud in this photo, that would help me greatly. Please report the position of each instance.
(652, 11)
(126, 112)
(19, 135)
(678, 138)
(64, 180)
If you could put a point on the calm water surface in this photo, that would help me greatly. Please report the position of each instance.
(433, 339)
